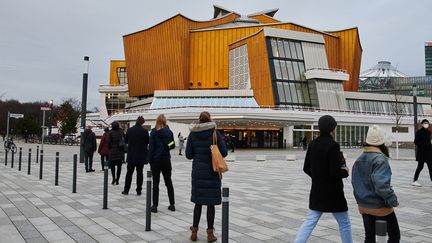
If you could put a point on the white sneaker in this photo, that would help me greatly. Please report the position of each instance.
(415, 183)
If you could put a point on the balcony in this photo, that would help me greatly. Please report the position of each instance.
(327, 73)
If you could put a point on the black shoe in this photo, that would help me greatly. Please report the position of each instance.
(138, 193)
(171, 207)
(154, 209)
(87, 171)
(92, 170)
(117, 182)
(113, 182)
(125, 193)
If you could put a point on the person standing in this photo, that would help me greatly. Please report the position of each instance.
(181, 142)
(161, 141)
(324, 164)
(424, 151)
(137, 139)
(103, 149)
(371, 180)
(89, 144)
(116, 151)
(304, 142)
(206, 184)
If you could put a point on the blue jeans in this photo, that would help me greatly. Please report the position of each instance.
(307, 227)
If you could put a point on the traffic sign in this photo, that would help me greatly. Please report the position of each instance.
(44, 108)
(16, 115)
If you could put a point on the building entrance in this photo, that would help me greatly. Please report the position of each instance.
(253, 138)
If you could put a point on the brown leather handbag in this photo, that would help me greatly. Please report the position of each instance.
(218, 162)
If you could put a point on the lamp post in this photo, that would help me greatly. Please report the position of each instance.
(44, 108)
(415, 107)
(84, 104)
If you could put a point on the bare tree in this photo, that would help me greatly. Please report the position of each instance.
(398, 111)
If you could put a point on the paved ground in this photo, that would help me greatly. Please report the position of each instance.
(268, 202)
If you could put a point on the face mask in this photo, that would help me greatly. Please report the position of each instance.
(426, 125)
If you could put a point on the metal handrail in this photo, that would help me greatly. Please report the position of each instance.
(328, 69)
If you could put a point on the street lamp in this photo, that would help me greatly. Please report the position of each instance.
(415, 107)
(43, 109)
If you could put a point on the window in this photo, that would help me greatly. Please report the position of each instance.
(238, 68)
(122, 75)
(401, 129)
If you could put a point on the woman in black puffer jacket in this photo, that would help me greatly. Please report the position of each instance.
(206, 184)
(116, 152)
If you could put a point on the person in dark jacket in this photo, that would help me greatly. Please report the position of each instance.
(89, 144)
(161, 141)
(424, 151)
(206, 184)
(116, 151)
(103, 149)
(323, 163)
(137, 139)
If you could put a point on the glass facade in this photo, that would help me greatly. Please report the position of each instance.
(172, 102)
(383, 107)
(116, 102)
(428, 58)
(122, 75)
(398, 85)
(287, 71)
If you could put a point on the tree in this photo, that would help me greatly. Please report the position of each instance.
(67, 116)
(26, 126)
(398, 112)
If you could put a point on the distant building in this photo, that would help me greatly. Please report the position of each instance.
(428, 58)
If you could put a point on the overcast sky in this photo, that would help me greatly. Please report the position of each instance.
(43, 42)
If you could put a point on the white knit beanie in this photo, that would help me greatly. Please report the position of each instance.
(375, 136)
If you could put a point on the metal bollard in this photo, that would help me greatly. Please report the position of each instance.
(41, 165)
(12, 159)
(29, 162)
(225, 214)
(19, 159)
(6, 157)
(56, 169)
(37, 154)
(381, 231)
(148, 201)
(75, 158)
(105, 185)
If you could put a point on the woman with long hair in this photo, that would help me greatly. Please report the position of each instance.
(371, 180)
(206, 184)
(116, 152)
(161, 141)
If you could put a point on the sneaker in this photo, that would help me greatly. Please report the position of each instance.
(138, 193)
(171, 207)
(125, 193)
(154, 209)
(415, 183)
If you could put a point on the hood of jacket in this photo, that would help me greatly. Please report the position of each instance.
(199, 127)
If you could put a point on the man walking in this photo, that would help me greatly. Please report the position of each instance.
(424, 151)
(137, 139)
(89, 144)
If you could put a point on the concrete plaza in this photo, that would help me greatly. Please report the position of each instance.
(268, 202)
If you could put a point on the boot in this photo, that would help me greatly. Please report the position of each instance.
(194, 236)
(210, 235)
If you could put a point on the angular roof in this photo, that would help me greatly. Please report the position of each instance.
(383, 69)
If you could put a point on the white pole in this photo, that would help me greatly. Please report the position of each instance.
(43, 128)
(7, 126)
(397, 143)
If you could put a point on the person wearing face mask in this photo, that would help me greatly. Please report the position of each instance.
(424, 151)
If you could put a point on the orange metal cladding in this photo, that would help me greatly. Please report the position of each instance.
(350, 52)
(114, 64)
(158, 57)
(209, 52)
(265, 19)
(259, 67)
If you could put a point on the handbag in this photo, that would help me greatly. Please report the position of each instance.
(218, 162)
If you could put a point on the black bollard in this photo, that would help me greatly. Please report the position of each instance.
(6, 157)
(225, 214)
(37, 154)
(41, 165)
(148, 201)
(381, 231)
(105, 185)
(75, 157)
(56, 169)
(12, 159)
(19, 159)
(29, 162)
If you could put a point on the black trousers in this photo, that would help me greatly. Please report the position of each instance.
(103, 159)
(139, 179)
(113, 164)
(88, 160)
(165, 168)
(420, 166)
(392, 227)
(210, 216)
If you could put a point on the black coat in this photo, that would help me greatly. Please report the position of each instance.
(158, 150)
(116, 153)
(89, 141)
(137, 139)
(206, 185)
(323, 165)
(424, 148)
